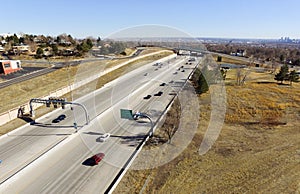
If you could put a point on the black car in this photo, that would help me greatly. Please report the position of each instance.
(159, 93)
(147, 97)
(162, 84)
(59, 118)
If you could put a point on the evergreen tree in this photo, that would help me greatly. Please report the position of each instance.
(89, 43)
(39, 52)
(202, 84)
(293, 77)
(15, 39)
(283, 73)
(54, 49)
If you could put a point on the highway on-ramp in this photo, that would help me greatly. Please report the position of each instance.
(52, 158)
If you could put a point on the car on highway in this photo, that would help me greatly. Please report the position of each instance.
(192, 59)
(59, 118)
(104, 137)
(147, 97)
(157, 64)
(159, 93)
(97, 158)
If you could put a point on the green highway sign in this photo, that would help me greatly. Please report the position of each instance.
(126, 114)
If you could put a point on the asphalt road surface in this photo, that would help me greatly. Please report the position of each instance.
(52, 158)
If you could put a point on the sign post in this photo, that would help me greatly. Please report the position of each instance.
(127, 114)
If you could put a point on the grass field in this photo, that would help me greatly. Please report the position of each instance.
(258, 150)
(228, 60)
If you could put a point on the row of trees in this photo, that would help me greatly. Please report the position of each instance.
(206, 74)
(111, 47)
(209, 73)
(285, 75)
(61, 40)
(62, 45)
(268, 52)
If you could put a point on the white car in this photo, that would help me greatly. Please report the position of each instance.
(104, 137)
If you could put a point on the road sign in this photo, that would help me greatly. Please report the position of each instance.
(126, 114)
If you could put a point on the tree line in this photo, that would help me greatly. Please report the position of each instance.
(275, 53)
(61, 45)
(285, 75)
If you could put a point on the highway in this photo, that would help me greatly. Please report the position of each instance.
(52, 158)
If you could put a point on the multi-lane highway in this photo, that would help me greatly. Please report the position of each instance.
(52, 158)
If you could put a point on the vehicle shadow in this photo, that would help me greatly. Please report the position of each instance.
(41, 135)
(131, 141)
(51, 126)
(92, 133)
(89, 162)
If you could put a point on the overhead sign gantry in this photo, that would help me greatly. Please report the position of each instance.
(56, 102)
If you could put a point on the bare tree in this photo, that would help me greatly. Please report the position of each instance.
(172, 121)
(170, 131)
(241, 76)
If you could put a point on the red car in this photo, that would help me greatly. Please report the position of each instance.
(98, 157)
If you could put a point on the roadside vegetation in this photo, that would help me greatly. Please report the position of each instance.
(29, 46)
(257, 151)
(265, 52)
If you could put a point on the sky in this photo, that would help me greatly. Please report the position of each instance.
(197, 18)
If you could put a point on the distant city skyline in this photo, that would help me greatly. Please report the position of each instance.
(256, 19)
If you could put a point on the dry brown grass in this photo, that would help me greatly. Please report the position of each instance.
(258, 150)
(229, 60)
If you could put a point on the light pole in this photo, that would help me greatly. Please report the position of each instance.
(138, 115)
(127, 114)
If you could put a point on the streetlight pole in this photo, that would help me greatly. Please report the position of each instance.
(138, 115)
